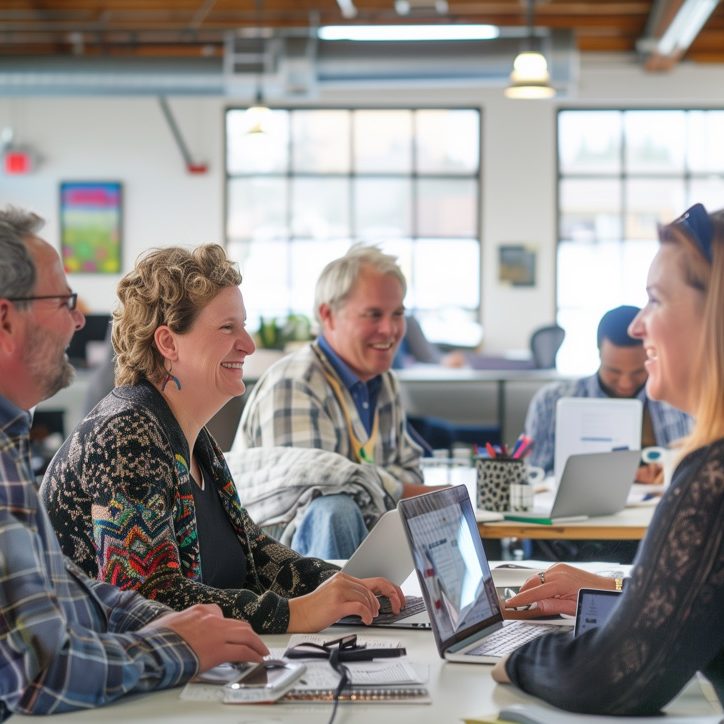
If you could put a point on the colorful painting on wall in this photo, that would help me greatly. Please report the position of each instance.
(90, 227)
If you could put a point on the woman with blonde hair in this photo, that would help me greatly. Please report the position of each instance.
(668, 622)
(140, 494)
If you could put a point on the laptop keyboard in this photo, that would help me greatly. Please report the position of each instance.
(413, 605)
(507, 639)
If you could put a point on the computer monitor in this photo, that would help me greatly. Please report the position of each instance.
(96, 328)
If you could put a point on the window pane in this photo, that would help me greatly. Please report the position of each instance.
(447, 207)
(257, 208)
(652, 201)
(708, 191)
(266, 152)
(383, 141)
(655, 141)
(403, 249)
(321, 141)
(447, 141)
(320, 207)
(593, 278)
(264, 267)
(589, 141)
(383, 207)
(446, 273)
(706, 141)
(308, 258)
(590, 209)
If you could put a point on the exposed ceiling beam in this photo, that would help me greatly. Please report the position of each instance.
(672, 27)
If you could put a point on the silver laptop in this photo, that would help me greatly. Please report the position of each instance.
(592, 484)
(456, 581)
(384, 552)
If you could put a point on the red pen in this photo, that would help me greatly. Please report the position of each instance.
(491, 450)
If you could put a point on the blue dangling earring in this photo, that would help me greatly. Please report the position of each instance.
(170, 378)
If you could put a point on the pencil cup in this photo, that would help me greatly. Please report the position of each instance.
(495, 477)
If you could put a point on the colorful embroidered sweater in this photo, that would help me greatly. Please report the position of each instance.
(119, 497)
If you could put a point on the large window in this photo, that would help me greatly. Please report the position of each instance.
(318, 180)
(620, 173)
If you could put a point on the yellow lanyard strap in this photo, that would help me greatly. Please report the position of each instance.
(364, 452)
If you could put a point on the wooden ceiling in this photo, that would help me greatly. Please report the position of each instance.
(193, 28)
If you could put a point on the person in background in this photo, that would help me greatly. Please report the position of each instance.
(338, 394)
(68, 642)
(622, 374)
(668, 622)
(140, 494)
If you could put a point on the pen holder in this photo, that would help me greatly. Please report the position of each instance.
(496, 475)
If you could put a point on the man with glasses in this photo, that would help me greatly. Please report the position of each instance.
(67, 642)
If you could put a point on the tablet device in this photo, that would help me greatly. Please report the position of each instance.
(595, 606)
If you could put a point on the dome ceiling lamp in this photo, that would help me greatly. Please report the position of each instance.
(530, 77)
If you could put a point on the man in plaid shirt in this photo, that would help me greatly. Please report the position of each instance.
(338, 394)
(68, 642)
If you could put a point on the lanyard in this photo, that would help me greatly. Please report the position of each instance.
(364, 452)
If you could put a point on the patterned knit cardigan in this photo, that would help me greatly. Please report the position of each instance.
(119, 495)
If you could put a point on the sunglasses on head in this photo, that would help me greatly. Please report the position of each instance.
(695, 222)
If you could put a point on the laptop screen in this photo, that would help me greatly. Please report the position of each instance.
(454, 574)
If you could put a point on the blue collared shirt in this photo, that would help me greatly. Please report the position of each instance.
(364, 394)
(66, 642)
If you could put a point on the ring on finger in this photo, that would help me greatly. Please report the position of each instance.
(542, 576)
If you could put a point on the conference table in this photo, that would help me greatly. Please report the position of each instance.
(457, 691)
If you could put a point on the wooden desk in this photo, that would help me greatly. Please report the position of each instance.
(457, 691)
(629, 524)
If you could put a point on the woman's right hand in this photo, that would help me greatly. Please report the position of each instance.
(555, 591)
(339, 596)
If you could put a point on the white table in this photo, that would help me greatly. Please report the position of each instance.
(457, 691)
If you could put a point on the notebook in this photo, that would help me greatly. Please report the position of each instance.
(595, 424)
(384, 552)
(592, 484)
(456, 581)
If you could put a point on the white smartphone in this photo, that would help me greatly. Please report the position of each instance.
(263, 682)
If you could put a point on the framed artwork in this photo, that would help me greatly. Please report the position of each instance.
(516, 265)
(90, 227)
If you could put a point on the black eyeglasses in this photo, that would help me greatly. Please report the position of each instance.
(697, 224)
(71, 300)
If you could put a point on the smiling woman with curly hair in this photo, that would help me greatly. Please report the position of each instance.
(140, 494)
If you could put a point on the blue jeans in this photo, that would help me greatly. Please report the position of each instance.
(332, 527)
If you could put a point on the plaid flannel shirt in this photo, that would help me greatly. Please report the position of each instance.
(66, 642)
(669, 423)
(293, 405)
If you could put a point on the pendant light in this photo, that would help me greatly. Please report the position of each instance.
(258, 115)
(530, 78)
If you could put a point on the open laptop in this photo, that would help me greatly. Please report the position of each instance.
(592, 484)
(595, 424)
(385, 552)
(456, 581)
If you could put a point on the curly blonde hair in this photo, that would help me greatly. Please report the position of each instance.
(167, 286)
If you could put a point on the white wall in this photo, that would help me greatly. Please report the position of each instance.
(127, 139)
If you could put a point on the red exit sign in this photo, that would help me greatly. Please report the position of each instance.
(17, 163)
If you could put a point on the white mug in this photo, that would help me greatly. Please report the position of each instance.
(662, 456)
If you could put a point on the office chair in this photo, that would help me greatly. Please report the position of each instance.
(544, 345)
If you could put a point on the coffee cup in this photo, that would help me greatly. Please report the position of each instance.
(661, 456)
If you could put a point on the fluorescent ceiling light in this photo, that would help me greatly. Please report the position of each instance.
(685, 26)
(381, 33)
